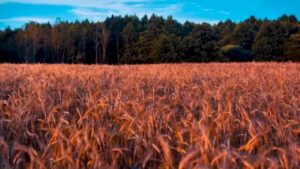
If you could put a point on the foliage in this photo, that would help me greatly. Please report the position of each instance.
(292, 48)
(236, 53)
(201, 44)
(245, 33)
(130, 40)
(269, 42)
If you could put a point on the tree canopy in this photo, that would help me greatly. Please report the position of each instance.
(154, 39)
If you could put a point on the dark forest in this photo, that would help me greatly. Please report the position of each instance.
(152, 39)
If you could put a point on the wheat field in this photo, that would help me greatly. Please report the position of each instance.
(150, 116)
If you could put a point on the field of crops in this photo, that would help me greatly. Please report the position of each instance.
(150, 116)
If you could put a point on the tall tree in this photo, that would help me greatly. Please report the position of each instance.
(153, 39)
(244, 33)
(201, 44)
(105, 34)
(269, 42)
(292, 48)
(225, 32)
(187, 28)
(115, 24)
(8, 48)
(31, 38)
(165, 49)
(130, 35)
(97, 30)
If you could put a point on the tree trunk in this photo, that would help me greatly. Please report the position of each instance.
(96, 47)
(105, 40)
(118, 49)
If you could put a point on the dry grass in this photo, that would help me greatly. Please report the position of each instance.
(155, 116)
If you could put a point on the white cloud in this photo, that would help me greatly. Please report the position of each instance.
(172, 9)
(210, 21)
(137, 9)
(224, 12)
(84, 13)
(207, 10)
(90, 8)
(27, 19)
(79, 3)
(98, 10)
(199, 20)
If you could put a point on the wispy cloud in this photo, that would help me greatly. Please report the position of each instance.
(27, 19)
(90, 8)
(204, 20)
(207, 10)
(137, 9)
(199, 20)
(79, 3)
(224, 12)
(99, 10)
(84, 13)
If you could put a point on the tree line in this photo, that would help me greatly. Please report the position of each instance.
(154, 39)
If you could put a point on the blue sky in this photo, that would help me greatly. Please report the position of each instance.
(15, 13)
